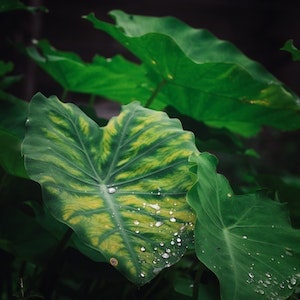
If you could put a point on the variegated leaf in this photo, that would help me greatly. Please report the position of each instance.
(121, 188)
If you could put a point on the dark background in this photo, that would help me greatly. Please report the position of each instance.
(258, 27)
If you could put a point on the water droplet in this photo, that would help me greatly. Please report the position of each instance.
(245, 237)
(154, 206)
(153, 62)
(158, 223)
(113, 261)
(136, 222)
(281, 285)
(165, 255)
(170, 76)
(137, 231)
(229, 195)
(142, 275)
(27, 122)
(108, 59)
(168, 250)
(161, 244)
(289, 252)
(178, 240)
(293, 280)
(111, 190)
(251, 275)
(143, 249)
(173, 220)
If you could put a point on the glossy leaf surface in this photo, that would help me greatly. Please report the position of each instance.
(222, 86)
(122, 188)
(246, 240)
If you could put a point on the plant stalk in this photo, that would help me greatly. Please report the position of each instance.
(155, 92)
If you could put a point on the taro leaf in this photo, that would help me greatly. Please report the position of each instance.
(121, 188)
(290, 47)
(113, 78)
(246, 240)
(204, 77)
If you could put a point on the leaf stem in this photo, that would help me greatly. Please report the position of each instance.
(92, 100)
(155, 92)
(197, 280)
(64, 95)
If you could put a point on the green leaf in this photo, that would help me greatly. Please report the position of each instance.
(223, 87)
(290, 47)
(246, 240)
(7, 5)
(114, 78)
(5, 67)
(121, 188)
(13, 115)
(10, 5)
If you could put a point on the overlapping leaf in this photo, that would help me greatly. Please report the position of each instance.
(121, 188)
(247, 240)
(222, 86)
(114, 78)
(12, 129)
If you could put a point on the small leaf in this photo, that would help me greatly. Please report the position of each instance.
(290, 47)
(121, 188)
(246, 240)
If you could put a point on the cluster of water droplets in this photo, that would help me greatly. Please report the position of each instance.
(268, 284)
(157, 255)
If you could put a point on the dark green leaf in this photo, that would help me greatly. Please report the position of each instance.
(290, 47)
(13, 115)
(246, 240)
(204, 77)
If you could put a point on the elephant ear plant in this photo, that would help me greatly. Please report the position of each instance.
(137, 193)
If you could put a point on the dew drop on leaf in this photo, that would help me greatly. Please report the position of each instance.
(158, 223)
(111, 190)
(173, 220)
(165, 255)
(289, 252)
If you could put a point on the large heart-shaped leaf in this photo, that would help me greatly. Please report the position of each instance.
(246, 240)
(223, 86)
(122, 188)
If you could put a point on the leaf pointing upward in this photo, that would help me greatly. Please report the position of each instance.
(122, 188)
